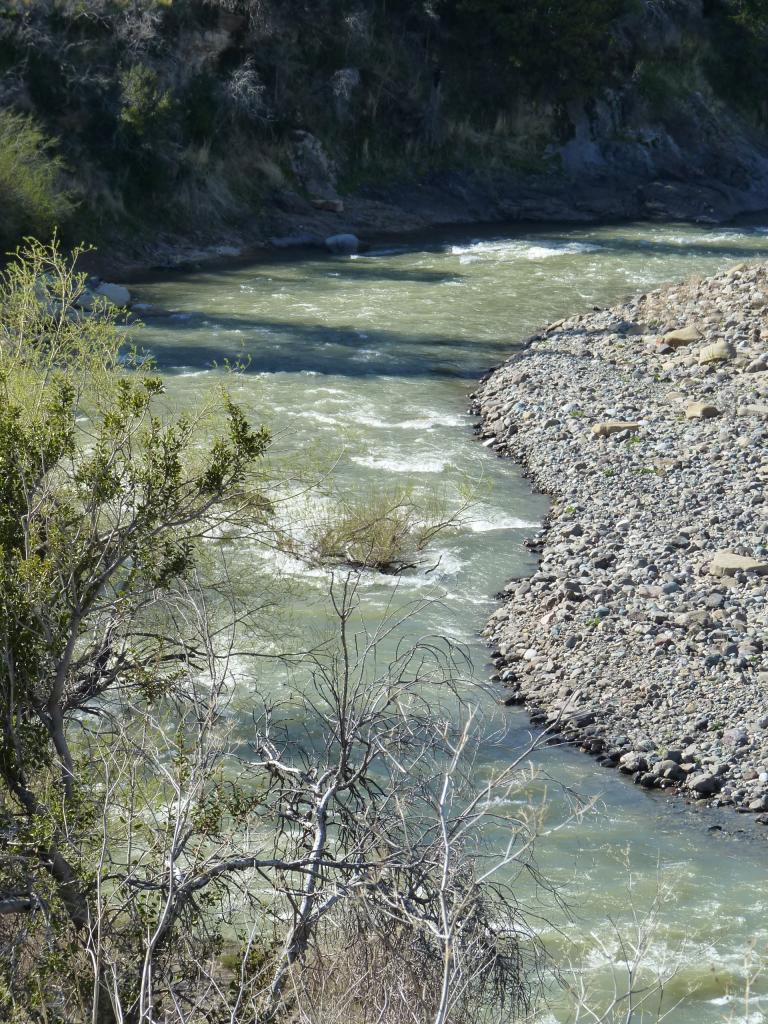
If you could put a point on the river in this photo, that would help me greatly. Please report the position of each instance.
(367, 362)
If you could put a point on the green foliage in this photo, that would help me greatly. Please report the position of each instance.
(105, 507)
(145, 107)
(32, 198)
(551, 46)
(737, 61)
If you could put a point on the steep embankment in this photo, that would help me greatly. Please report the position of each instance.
(643, 636)
(235, 122)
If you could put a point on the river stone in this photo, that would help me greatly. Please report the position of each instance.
(608, 427)
(719, 352)
(704, 784)
(728, 563)
(701, 411)
(757, 409)
(684, 336)
(344, 243)
(114, 293)
(736, 737)
(632, 762)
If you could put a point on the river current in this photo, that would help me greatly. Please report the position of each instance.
(367, 361)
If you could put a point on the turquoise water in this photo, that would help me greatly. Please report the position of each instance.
(367, 362)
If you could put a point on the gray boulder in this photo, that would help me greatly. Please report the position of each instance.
(117, 294)
(345, 243)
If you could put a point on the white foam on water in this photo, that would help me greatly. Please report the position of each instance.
(368, 420)
(364, 355)
(426, 422)
(543, 252)
(320, 417)
(500, 521)
(431, 420)
(401, 465)
(520, 249)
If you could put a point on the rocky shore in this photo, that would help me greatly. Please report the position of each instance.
(643, 635)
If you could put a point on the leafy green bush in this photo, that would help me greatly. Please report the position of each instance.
(145, 105)
(32, 199)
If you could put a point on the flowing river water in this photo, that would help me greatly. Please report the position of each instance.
(367, 361)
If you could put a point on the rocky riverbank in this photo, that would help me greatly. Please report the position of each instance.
(407, 209)
(643, 635)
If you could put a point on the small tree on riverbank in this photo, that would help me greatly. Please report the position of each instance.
(159, 861)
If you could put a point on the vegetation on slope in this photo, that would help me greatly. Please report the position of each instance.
(182, 112)
(34, 200)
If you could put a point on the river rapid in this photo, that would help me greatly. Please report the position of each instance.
(367, 361)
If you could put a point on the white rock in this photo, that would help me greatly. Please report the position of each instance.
(117, 294)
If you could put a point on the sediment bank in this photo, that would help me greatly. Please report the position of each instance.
(643, 635)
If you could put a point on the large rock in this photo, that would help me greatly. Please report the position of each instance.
(685, 336)
(114, 293)
(701, 411)
(608, 427)
(704, 784)
(756, 409)
(728, 563)
(345, 243)
(719, 352)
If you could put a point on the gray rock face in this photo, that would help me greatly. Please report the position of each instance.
(649, 609)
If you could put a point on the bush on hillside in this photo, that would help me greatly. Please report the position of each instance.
(32, 199)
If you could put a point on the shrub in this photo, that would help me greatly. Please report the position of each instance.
(145, 105)
(387, 529)
(32, 199)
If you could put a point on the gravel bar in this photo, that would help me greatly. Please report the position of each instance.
(643, 635)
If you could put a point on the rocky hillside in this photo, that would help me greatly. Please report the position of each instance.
(204, 117)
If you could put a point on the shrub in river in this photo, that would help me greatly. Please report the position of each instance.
(384, 528)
